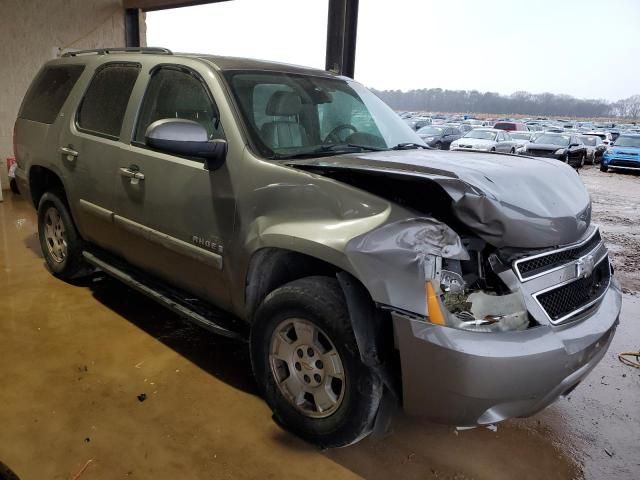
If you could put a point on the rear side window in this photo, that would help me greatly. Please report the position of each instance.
(48, 92)
(105, 102)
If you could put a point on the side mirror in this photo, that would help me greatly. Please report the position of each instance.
(188, 138)
(571, 145)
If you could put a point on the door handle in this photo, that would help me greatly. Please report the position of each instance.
(134, 175)
(70, 153)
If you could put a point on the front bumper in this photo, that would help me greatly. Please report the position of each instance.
(466, 378)
(624, 162)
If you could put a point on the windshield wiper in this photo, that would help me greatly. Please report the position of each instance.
(341, 146)
(410, 146)
(332, 149)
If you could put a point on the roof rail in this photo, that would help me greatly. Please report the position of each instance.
(104, 51)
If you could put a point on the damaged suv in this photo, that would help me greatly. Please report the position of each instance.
(292, 208)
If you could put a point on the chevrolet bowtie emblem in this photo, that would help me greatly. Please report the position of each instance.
(585, 266)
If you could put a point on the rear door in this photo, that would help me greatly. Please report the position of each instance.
(176, 215)
(91, 149)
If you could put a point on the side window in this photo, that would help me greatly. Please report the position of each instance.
(500, 137)
(48, 92)
(507, 137)
(105, 102)
(174, 93)
(455, 131)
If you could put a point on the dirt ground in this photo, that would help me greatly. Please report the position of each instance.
(616, 207)
(76, 360)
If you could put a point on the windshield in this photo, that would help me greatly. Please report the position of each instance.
(291, 115)
(628, 141)
(591, 141)
(561, 140)
(481, 134)
(430, 131)
(521, 136)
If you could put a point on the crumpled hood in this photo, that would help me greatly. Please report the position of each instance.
(510, 201)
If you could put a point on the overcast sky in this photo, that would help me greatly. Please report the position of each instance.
(585, 48)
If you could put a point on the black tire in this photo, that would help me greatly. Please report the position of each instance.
(14, 186)
(604, 168)
(438, 146)
(72, 265)
(320, 301)
(513, 151)
(493, 149)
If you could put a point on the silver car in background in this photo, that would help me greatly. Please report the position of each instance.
(486, 140)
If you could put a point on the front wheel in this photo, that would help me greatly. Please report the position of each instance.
(59, 240)
(603, 168)
(307, 364)
(438, 146)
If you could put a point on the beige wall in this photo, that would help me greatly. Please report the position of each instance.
(32, 31)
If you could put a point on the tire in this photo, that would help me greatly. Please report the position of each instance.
(59, 240)
(603, 168)
(513, 151)
(313, 304)
(14, 186)
(493, 149)
(438, 146)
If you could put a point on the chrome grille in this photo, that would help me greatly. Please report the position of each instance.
(565, 301)
(530, 267)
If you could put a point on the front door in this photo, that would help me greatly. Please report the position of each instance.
(175, 214)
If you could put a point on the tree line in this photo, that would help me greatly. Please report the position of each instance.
(541, 104)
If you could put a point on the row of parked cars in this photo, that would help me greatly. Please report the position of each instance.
(577, 145)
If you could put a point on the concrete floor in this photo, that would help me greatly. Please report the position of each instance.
(75, 358)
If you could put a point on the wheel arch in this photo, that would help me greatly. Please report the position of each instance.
(42, 180)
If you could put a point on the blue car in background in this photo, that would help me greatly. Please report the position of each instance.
(623, 154)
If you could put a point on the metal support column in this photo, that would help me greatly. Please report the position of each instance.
(342, 26)
(131, 28)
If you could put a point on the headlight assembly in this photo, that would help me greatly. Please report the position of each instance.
(560, 151)
(478, 311)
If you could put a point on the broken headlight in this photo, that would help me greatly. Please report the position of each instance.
(452, 302)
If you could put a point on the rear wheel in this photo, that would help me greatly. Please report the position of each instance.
(513, 151)
(59, 240)
(306, 362)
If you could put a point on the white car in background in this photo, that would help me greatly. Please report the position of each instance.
(522, 139)
(486, 140)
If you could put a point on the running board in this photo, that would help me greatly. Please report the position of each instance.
(205, 317)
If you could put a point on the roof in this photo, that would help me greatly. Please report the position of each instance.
(219, 62)
(238, 63)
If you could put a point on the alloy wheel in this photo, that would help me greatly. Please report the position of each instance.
(307, 368)
(55, 235)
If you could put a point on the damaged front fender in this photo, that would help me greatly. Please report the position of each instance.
(394, 261)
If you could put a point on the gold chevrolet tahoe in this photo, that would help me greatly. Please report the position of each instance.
(292, 209)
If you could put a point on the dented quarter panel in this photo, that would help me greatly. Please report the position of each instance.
(508, 200)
